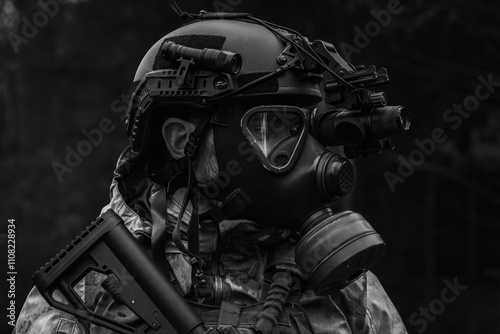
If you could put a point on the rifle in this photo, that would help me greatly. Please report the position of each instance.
(106, 246)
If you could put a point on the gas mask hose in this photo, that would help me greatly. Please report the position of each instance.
(275, 300)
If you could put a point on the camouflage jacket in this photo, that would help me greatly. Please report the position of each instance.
(239, 254)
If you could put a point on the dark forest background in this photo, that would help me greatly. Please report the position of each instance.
(441, 224)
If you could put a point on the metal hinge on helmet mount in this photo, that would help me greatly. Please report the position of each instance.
(306, 68)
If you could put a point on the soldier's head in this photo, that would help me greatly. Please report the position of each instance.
(230, 102)
(195, 85)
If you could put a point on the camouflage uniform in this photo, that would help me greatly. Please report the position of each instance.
(238, 253)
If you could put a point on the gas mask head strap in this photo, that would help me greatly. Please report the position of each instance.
(191, 152)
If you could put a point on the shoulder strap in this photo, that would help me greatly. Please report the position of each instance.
(229, 314)
(159, 233)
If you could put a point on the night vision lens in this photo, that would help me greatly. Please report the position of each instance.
(390, 120)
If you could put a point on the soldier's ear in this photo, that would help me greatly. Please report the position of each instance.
(176, 135)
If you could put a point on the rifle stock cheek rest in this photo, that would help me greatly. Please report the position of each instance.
(107, 246)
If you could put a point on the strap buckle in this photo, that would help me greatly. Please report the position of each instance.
(191, 147)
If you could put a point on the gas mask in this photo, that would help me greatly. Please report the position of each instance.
(274, 172)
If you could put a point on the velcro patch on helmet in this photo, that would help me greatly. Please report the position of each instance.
(192, 41)
(266, 86)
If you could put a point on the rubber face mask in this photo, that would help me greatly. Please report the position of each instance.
(273, 172)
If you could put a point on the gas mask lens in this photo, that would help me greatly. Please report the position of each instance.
(276, 133)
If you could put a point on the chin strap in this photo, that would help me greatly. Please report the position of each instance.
(159, 236)
(199, 282)
(174, 175)
(169, 171)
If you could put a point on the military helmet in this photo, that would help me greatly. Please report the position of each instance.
(211, 62)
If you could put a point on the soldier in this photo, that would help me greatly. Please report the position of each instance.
(228, 188)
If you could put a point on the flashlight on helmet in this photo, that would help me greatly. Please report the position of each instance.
(212, 59)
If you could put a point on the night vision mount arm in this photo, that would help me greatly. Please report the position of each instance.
(352, 115)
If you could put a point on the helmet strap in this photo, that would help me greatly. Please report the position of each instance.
(199, 282)
(192, 146)
(171, 172)
(191, 195)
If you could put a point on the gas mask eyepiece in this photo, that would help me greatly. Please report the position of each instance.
(276, 133)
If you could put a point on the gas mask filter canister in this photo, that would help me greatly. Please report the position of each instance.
(337, 249)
